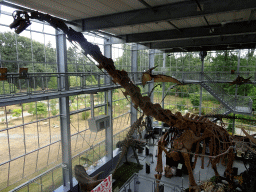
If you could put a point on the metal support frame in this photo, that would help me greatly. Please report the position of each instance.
(151, 64)
(64, 111)
(201, 88)
(237, 70)
(134, 68)
(92, 105)
(163, 85)
(108, 110)
(167, 12)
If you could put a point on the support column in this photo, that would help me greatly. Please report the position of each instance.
(202, 56)
(151, 64)
(134, 68)
(108, 109)
(64, 111)
(163, 87)
(237, 70)
(163, 84)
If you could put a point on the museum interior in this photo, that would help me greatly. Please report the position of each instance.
(127, 95)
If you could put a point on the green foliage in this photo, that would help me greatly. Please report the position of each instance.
(182, 91)
(85, 115)
(53, 108)
(31, 108)
(230, 125)
(7, 88)
(39, 109)
(181, 105)
(9, 50)
(252, 92)
(195, 100)
(246, 117)
(52, 83)
(16, 112)
(75, 81)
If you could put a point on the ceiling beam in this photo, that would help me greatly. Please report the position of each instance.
(166, 12)
(204, 42)
(211, 48)
(195, 32)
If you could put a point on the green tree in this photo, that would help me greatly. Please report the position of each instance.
(23, 51)
(195, 100)
(38, 108)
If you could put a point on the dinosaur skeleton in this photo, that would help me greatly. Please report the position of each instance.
(134, 144)
(130, 141)
(192, 126)
(86, 182)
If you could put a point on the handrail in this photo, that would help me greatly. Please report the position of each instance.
(153, 180)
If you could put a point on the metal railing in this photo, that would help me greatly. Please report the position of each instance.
(238, 104)
(133, 183)
(218, 77)
(41, 83)
(210, 81)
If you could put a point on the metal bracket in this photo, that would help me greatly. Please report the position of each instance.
(65, 166)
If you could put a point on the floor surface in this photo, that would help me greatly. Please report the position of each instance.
(199, 174)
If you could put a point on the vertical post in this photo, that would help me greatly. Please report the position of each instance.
(202, 56)
(108, 99)
(134, 58)
(151, 64)
(163, 88)
(163, 84)
(238, 68)
(92, 104)
(64, 111)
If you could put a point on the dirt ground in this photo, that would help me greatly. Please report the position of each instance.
(24, 139)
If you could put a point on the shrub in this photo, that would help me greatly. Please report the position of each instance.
(230, 126)
(195, 100)
(16, 112)
(53, 103)
(181, 105)
(85, 115)
(41, 109)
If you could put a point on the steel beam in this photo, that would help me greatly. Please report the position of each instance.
(108, 100)
(64, 112)
(163, 87)
(207, 41)
(229, 29)
(184, 9)
(134, 68)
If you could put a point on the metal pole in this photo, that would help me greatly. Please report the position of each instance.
(64, 111)
(151, 64)
(92, 105)
(163, 85)
(134, 67)
(108, 110)
(238, 67)
(202, 56)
